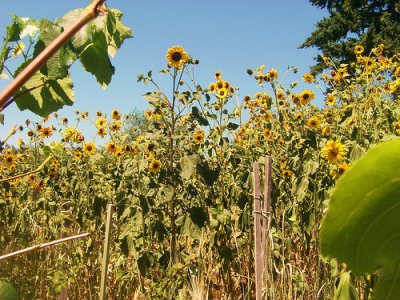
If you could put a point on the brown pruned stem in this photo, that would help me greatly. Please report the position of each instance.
(90, 12)
(28, 173)
(40, 246)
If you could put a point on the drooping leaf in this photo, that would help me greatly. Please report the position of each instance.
(188, 165)
(199, 118)
(95, 59)
(43, 96)
(7, 291)
(361, 224)
(209, 175)
(2, 119)
(82, 36)
(117, 30)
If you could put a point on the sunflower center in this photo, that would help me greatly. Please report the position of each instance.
(176, 56)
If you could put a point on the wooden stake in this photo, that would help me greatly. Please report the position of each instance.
(104, 267)
(266, 210)
(44, 245)
(259, 262)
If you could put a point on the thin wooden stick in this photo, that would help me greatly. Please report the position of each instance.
(40, 246)
(266, 214)
(259, 263)
(90, 12)
(104, 267)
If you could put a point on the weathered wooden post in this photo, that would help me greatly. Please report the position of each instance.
(261, 222)
(259, 264)
(104, 267)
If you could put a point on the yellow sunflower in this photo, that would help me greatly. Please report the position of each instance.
(116, 115)
(111, 147)
(358, 50)
(330, 100)
(89, 148)
(176, 56)
(272, 75)
(155, 165)
(198, 136)
(222, 93)
(101, 122)
(306, 96)
(313, 122)
(334, 152)
(308, 78)
(46, 132)
(115, 126)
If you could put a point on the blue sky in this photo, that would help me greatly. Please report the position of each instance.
(228, 36)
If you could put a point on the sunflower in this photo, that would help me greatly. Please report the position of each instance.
(176, 56)
(308, 78)
(46, 132)
(155, 165)
(272, 75)
(341, 168)
(111, 147)
(313, 122)
(330, 100)
(358, 50)
(9, 160)
(211, 87)
(217, 75)
(101, 132)
(286, 173)
(89, 148)
(222, 93)
(334, 152)
(306, 96)
(295, 99)
(326, 130)
(198, 136)
(101, 122)
(78, 154)
(115, 126)
(115, 114)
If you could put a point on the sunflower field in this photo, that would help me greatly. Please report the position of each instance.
(182, 185)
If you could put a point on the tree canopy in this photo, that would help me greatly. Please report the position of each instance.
(351, 22)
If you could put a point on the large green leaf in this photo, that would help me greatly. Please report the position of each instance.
(7, 291)
(117, 31)
(43, 96)
(361, 224)
(95, 59)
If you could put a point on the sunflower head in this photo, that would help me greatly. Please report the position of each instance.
(176, 56)
(155, 165)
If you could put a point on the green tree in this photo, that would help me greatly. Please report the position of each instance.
(351, 22)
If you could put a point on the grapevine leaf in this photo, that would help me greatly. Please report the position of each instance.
(43, 96)
(95, 59)
(56, 66)
(117, 31)
(361, 224)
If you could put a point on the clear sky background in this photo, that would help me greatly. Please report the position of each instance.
(225, 35)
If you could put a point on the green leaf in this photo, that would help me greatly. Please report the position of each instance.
(345, 289)
(361, 224)
(143, 264)
(209, 175)
(43, 96)
(197, 115)
(117, 30)
(2, 119)
(7, 291)
(95, 59)
(188, 166)
(56, 67)
(232, 126)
